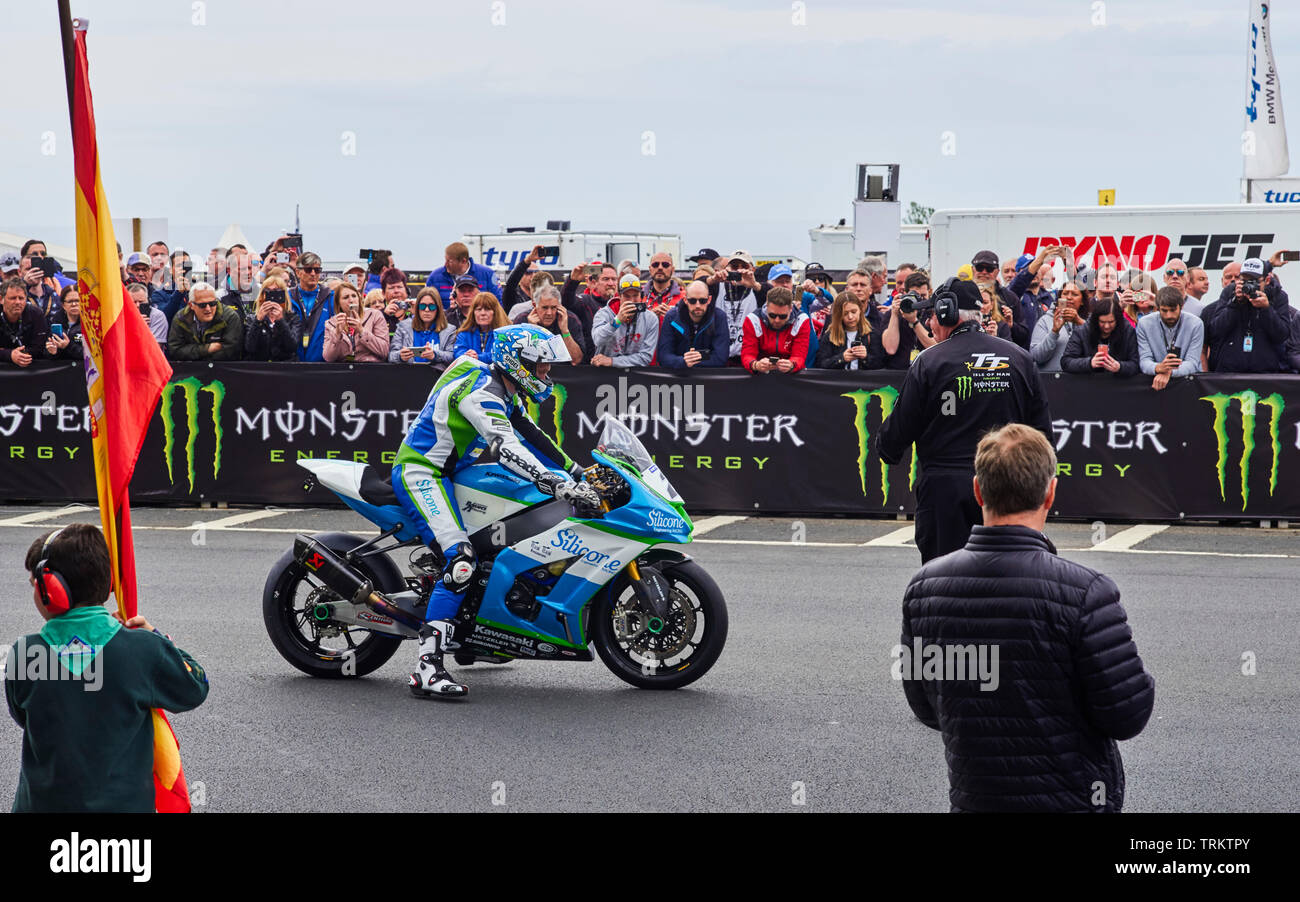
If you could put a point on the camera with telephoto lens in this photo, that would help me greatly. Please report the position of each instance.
(912, 302)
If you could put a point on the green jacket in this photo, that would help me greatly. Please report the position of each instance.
(82, 689)
(189, 339)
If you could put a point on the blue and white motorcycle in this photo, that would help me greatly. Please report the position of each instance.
(550, 584)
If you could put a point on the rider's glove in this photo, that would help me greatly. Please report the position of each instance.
(549, 482)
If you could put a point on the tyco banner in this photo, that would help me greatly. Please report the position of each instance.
(1208, 447)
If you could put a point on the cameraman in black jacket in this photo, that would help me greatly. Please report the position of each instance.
(953, 393)
(1246, 332)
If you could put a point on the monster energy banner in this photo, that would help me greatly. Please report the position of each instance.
(1207, 447)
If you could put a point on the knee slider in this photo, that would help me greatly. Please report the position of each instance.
(461, 564)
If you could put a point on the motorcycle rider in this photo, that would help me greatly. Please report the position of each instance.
(472, 406)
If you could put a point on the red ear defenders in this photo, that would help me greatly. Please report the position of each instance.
(50, 584)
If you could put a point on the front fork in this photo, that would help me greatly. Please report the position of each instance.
(651, 590)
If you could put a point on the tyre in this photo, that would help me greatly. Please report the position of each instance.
(319, 649)
(670, 653)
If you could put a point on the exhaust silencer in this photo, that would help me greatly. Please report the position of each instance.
(335, 573)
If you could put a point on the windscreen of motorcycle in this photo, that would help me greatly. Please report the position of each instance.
(619, 442)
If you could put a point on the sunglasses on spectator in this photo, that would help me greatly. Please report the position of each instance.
(428, 306)
(985, 267)
(204, 305)
(309, 268)
(771, 315)
(1175, 272)
(697, 302)
(657, 265)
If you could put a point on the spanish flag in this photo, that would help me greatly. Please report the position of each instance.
(125, 375)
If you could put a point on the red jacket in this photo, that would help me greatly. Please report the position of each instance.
(789, 342)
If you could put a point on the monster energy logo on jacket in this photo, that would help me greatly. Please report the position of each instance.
(861, 398)
(1248, 401)
(190, 388)
(963, 388)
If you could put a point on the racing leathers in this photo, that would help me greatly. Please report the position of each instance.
(469, 408)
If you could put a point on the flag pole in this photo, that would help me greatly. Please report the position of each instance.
(65, 31)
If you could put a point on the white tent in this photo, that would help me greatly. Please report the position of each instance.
(233, 235)
(67, 256)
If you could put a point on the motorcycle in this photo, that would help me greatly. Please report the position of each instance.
(550, 584)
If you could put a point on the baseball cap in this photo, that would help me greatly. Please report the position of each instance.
(9, 262)
(138, 257)
(705, 254)
(1023, 260)
(466, 279)
(778, 271)
(629, 281)
(1254, 267)
(743, 256)
(351, 266)
(816, 271)
(984, 257)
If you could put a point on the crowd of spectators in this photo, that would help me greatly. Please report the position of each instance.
(722, 311)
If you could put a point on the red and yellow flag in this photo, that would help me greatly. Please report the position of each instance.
(125, 375)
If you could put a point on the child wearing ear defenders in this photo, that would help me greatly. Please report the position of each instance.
(82, 688)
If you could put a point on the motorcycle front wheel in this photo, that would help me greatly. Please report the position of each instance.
(651, 652)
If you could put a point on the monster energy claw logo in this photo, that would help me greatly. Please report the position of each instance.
(963, 388)
(861, 398)
(1248, 401)
(561, 394)
(190, 388)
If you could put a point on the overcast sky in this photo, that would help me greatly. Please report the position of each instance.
(467, 116)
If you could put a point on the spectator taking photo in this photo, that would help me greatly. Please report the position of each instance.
(1169, 344)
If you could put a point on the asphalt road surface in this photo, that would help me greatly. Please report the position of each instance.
(801, 703)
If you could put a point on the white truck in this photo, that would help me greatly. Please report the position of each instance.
(503, 250)
(1141, 237)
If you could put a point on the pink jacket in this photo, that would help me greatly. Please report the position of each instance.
(368, 344)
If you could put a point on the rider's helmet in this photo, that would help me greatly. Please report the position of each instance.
(516, 352)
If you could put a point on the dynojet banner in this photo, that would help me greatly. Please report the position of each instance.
(1217, 447)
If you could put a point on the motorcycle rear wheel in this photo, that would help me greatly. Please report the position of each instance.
(319, 649)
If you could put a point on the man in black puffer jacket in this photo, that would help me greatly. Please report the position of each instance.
(1036, 731)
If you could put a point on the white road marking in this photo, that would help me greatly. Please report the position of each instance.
(785, 542)
(38, 516)
(1120, 543)
(1125, 539)
(708, 524)
(238, 519)
(899, 538)
(1199, 553)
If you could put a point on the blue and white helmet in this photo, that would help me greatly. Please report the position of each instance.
(516, 351)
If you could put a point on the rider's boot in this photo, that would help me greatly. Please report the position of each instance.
(431, 679)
